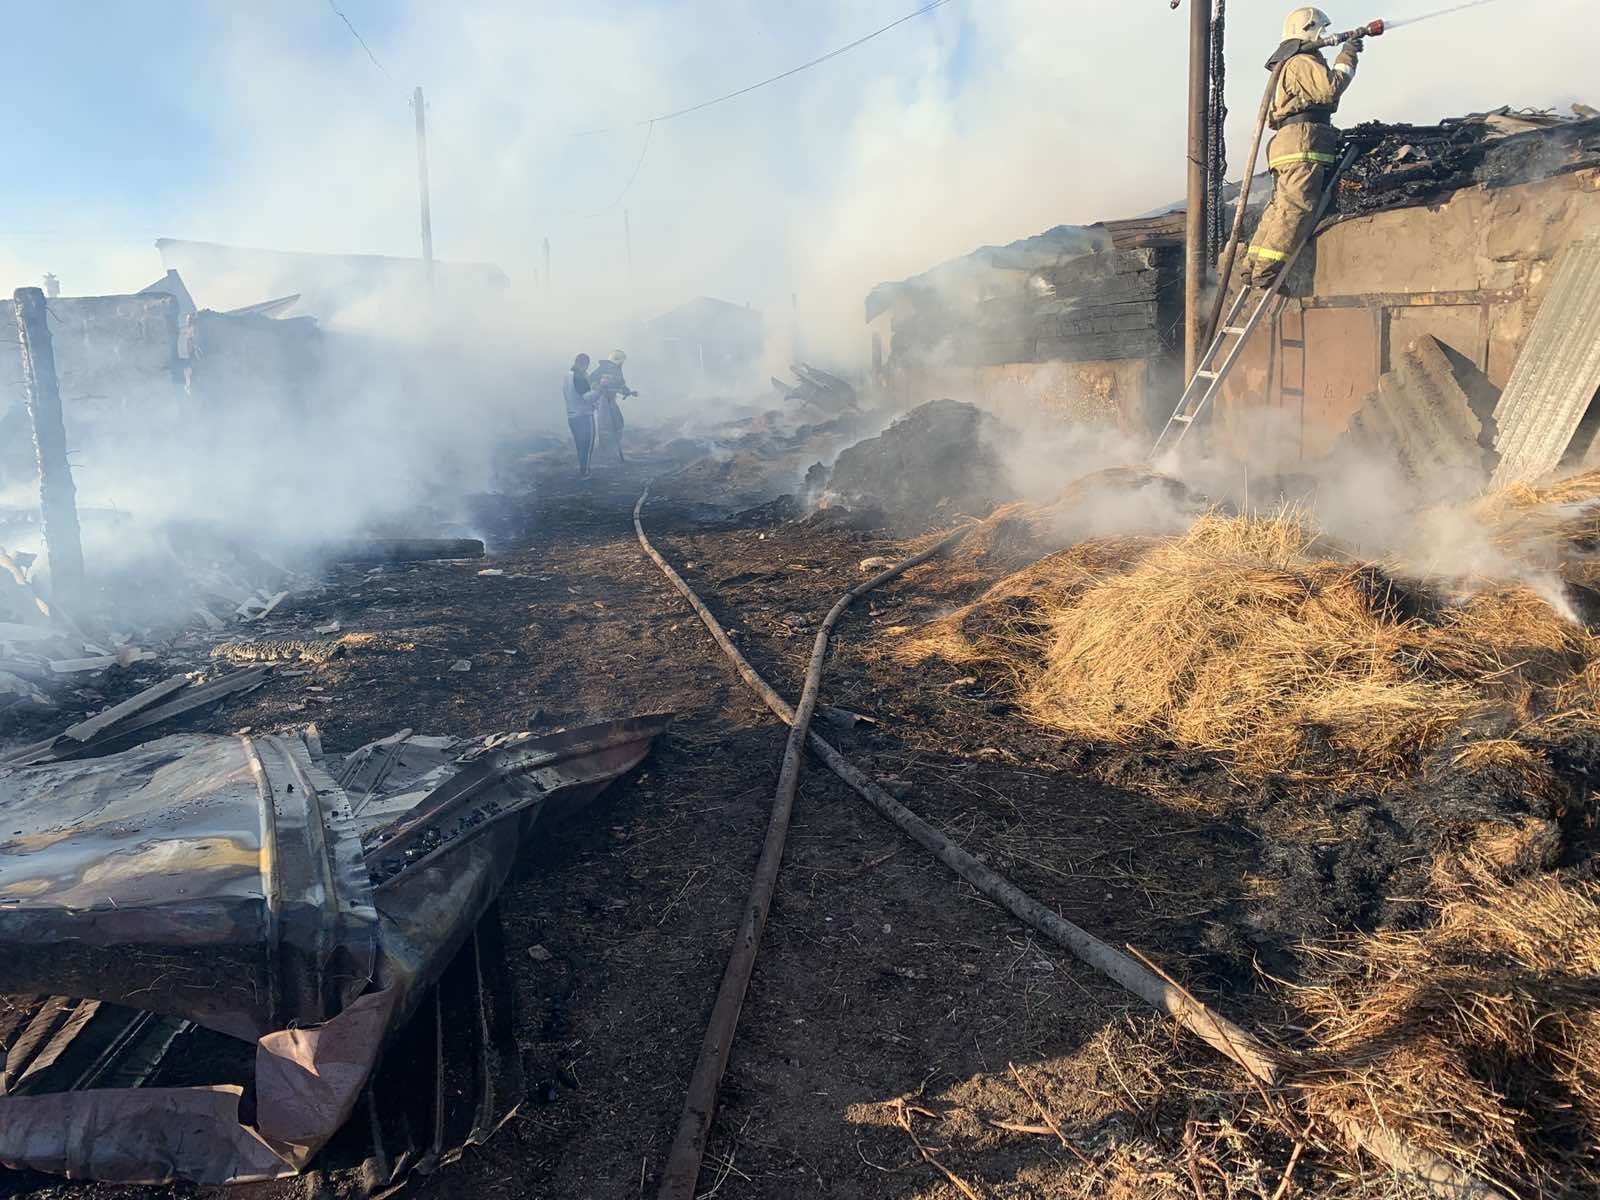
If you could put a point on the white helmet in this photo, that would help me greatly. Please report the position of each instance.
(618, 357)
(1305, 25)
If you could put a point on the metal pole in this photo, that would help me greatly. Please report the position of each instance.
(422, 182)
(1194, 273)
(58, 498)
(547, 266)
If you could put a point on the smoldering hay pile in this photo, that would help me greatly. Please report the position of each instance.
(1472, 1028)
(1260, 641)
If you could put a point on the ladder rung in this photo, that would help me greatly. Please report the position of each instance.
(1205, 373)
(1182, 418)
(1233, 329)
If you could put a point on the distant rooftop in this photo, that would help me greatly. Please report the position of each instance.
(232, 276)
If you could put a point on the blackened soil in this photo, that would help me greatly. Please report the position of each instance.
(881, 975)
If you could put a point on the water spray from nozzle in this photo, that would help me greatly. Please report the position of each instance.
(1377, 28)
(1443, 12)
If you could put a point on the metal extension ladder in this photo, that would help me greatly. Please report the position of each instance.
(1209, 372)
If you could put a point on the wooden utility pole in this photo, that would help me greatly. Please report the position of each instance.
(58, 499)
(422, 182)
(1195, 225)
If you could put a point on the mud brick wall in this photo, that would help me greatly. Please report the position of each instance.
(1470, 271)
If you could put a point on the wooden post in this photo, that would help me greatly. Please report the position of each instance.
(58, 499)
(1195, 224)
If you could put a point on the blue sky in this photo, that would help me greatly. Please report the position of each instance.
(266, 124)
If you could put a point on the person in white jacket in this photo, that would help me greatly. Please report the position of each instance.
(579, 395)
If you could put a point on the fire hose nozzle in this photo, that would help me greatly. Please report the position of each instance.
(1370, 29)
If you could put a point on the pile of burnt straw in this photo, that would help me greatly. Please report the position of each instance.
(1474, 1028)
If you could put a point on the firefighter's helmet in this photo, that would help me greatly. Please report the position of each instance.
(1305, 24)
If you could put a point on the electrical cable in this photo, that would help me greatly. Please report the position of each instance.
(805, 66)
(652, 122)
(362, 40)
(628, 187)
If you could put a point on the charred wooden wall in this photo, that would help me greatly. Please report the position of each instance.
(1112, 305)
(1090, 340)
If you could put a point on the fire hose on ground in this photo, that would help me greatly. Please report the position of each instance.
(682, 1169)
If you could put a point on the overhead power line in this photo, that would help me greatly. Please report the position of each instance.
(628, 187)
(805, 66)
(362, 40)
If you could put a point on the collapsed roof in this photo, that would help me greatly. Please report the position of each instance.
(1413, 164)
(1398, 165)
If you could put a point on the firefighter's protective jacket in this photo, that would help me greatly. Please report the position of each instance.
(1307, 85)
(1304, 145)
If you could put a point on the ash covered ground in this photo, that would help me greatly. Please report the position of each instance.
(893, 1008)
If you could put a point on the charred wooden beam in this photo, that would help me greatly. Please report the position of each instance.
(58, 498)
(396, 550)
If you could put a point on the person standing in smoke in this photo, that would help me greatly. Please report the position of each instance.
(609, 384)
(579, 395)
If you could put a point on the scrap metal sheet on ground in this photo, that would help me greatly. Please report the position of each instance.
(230, 883)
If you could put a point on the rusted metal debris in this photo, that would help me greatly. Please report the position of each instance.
(230, 884)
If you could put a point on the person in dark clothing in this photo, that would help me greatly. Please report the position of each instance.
(579, 395)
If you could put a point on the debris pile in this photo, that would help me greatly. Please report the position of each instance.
(1411, 164)
(53, 659)
(209, 940)
(939, 461)
(1447, 429)
(819, 392)
(753, 461)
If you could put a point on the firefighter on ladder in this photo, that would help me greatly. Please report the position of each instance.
(1305, 145)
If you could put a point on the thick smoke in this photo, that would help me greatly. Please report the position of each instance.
(977, 124)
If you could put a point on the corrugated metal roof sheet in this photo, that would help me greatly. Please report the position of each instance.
(1420, 417)
(1557, 374)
